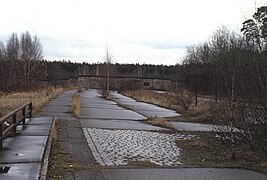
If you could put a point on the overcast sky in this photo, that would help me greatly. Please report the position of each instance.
(135, 31)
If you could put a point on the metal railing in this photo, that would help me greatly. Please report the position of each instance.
(9, 122)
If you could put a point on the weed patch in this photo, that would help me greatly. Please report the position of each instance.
(162, 122)
(75, 107)
(39, 97)
(59, 160)
(209, 151)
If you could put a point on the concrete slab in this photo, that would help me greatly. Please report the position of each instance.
(59, 115)
(73, 141)
(182, 173)
(95, 100)
(121, 98)
(23, 149)
(110, 114)
(64, 101)
(35, 130)
(101, 106)
(40, 120)
(148, 110)
(59, 107)
(91, 174)
(184, 126)
(55, 109)
(22, 171)
(119, 124)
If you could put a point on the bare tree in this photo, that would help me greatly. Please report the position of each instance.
(31, 54)
(12, 56)
(106, 84)
(21, 61)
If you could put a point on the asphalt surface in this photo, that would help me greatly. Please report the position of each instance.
(23, 156)
(24, 153)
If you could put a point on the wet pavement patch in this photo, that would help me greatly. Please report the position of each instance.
(119, 147)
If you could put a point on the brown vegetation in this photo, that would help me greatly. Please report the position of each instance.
(169, 100)
(39, 97)
(75, 107)
(162, 122)
(208, 151)
(60, 163)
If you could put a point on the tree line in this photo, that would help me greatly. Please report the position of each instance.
(232, 67)
(22, 66)
(20, 61)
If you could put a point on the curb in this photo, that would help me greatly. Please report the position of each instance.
(45, 161)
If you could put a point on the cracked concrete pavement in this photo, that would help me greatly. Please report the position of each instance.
(119, 136)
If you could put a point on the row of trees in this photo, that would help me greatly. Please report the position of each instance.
(232, 66)
(20, 61)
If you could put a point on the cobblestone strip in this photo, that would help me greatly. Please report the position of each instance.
(119, 147)
(92, 146)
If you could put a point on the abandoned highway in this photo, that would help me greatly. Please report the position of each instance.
(112, 135)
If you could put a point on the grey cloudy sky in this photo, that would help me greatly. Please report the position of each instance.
(136, 31)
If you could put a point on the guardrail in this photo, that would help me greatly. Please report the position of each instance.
(10, 121)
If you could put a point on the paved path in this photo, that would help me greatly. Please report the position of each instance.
(23, 154)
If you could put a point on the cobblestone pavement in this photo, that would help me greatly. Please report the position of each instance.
(119, 147)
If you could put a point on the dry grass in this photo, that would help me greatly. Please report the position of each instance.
(199, 113)
(60, 163)
(167, 100)
(162, 122)
(209, 151)
(150, 97)
(75, 107)
(39, 97)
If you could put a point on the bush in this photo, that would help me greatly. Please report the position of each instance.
(243, 123)
(183, 98)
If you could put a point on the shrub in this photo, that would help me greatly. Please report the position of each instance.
(183, 98)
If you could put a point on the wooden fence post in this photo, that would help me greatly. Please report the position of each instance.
(30, 108)
(1, 137)
(14, 117)
(23, 115)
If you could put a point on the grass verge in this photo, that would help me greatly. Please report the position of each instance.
(161, 122)
(209, 151)
(75, 107)
(60, 163)
(39, 97)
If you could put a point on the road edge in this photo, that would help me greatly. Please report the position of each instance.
(46, 155)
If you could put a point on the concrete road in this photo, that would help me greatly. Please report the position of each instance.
(115, 135)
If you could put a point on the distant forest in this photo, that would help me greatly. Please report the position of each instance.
(229, 64)
(22, 66)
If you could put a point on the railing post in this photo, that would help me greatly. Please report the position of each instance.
(14, 122)
(1, 137)
(23, 115)
(30, 109)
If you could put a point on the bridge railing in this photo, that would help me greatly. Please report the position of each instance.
(9, 122)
